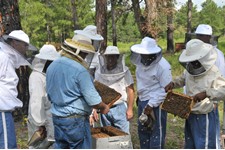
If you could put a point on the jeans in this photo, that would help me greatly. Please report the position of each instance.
(116, 117)
(154, 139)
(200, 131)
(72, 133)
(217, 119)
(7, 131)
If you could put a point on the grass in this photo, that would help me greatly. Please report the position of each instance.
(175, 125)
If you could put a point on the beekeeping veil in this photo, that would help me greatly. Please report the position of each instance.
(90, 31)
(46, 55)
(111, 66)
(149, 48)
(198, 57)
(28, 50)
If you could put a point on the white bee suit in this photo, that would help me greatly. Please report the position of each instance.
(118, 79)
(9, 61)
(39, 106)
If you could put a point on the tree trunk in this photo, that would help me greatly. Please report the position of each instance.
(9, 17)
(170, 28)
(189, 15)
(114, 36)
(9, 21)
(139, 19)
(101, 22)
(74, 14)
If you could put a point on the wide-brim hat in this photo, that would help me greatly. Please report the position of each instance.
(91, 32)
(20, 35)
(195, 50)
(147, 46)
(80, 42)
(204, 29)
(111, 50)
(48, 52)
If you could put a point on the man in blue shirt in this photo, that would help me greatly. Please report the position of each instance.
(72, 93)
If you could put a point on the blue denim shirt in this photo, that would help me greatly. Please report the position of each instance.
(70, 88)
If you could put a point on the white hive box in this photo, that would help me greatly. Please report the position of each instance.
(110, 138)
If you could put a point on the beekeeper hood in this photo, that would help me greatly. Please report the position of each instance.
(90, 31)
(198, 57)
(147, 53)
(25, 49)
(76, 47)
(46, 55)
(111, 65)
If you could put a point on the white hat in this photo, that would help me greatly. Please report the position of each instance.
(147, 46)
(81, 43)
(111, 50)
(91, 32)
(204, 29)
(195, 50)
(20, 36)
(48, 52)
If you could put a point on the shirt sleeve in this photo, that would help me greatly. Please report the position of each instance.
(128, 78)
(4, 61)
(165, 76)
(179, 81)
(217, 90)
(88, 90)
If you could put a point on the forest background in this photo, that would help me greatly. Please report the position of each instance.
(54, 20)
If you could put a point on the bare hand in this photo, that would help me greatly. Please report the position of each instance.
(129, 114)
(169, 86)
(200, 96)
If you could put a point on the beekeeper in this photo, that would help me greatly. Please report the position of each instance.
(90, 31)
(205, 84)
(14, 50)
(39, 115)
(153, 73)
(113, 73)
(204, 32)
(72, 94)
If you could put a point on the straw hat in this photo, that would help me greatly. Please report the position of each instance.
(81, 43)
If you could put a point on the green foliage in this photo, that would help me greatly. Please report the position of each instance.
(52, 20)
(127, 30)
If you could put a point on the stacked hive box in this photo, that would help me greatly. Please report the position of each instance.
(110, 138)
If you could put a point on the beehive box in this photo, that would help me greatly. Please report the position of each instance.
(110, 138)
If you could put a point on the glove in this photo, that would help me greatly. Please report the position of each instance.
(147, 118)
(43, 132)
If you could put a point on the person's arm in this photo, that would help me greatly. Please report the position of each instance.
(37, 92)
(90, 94)
(102, 108)
(4, 61)
(130, 101)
